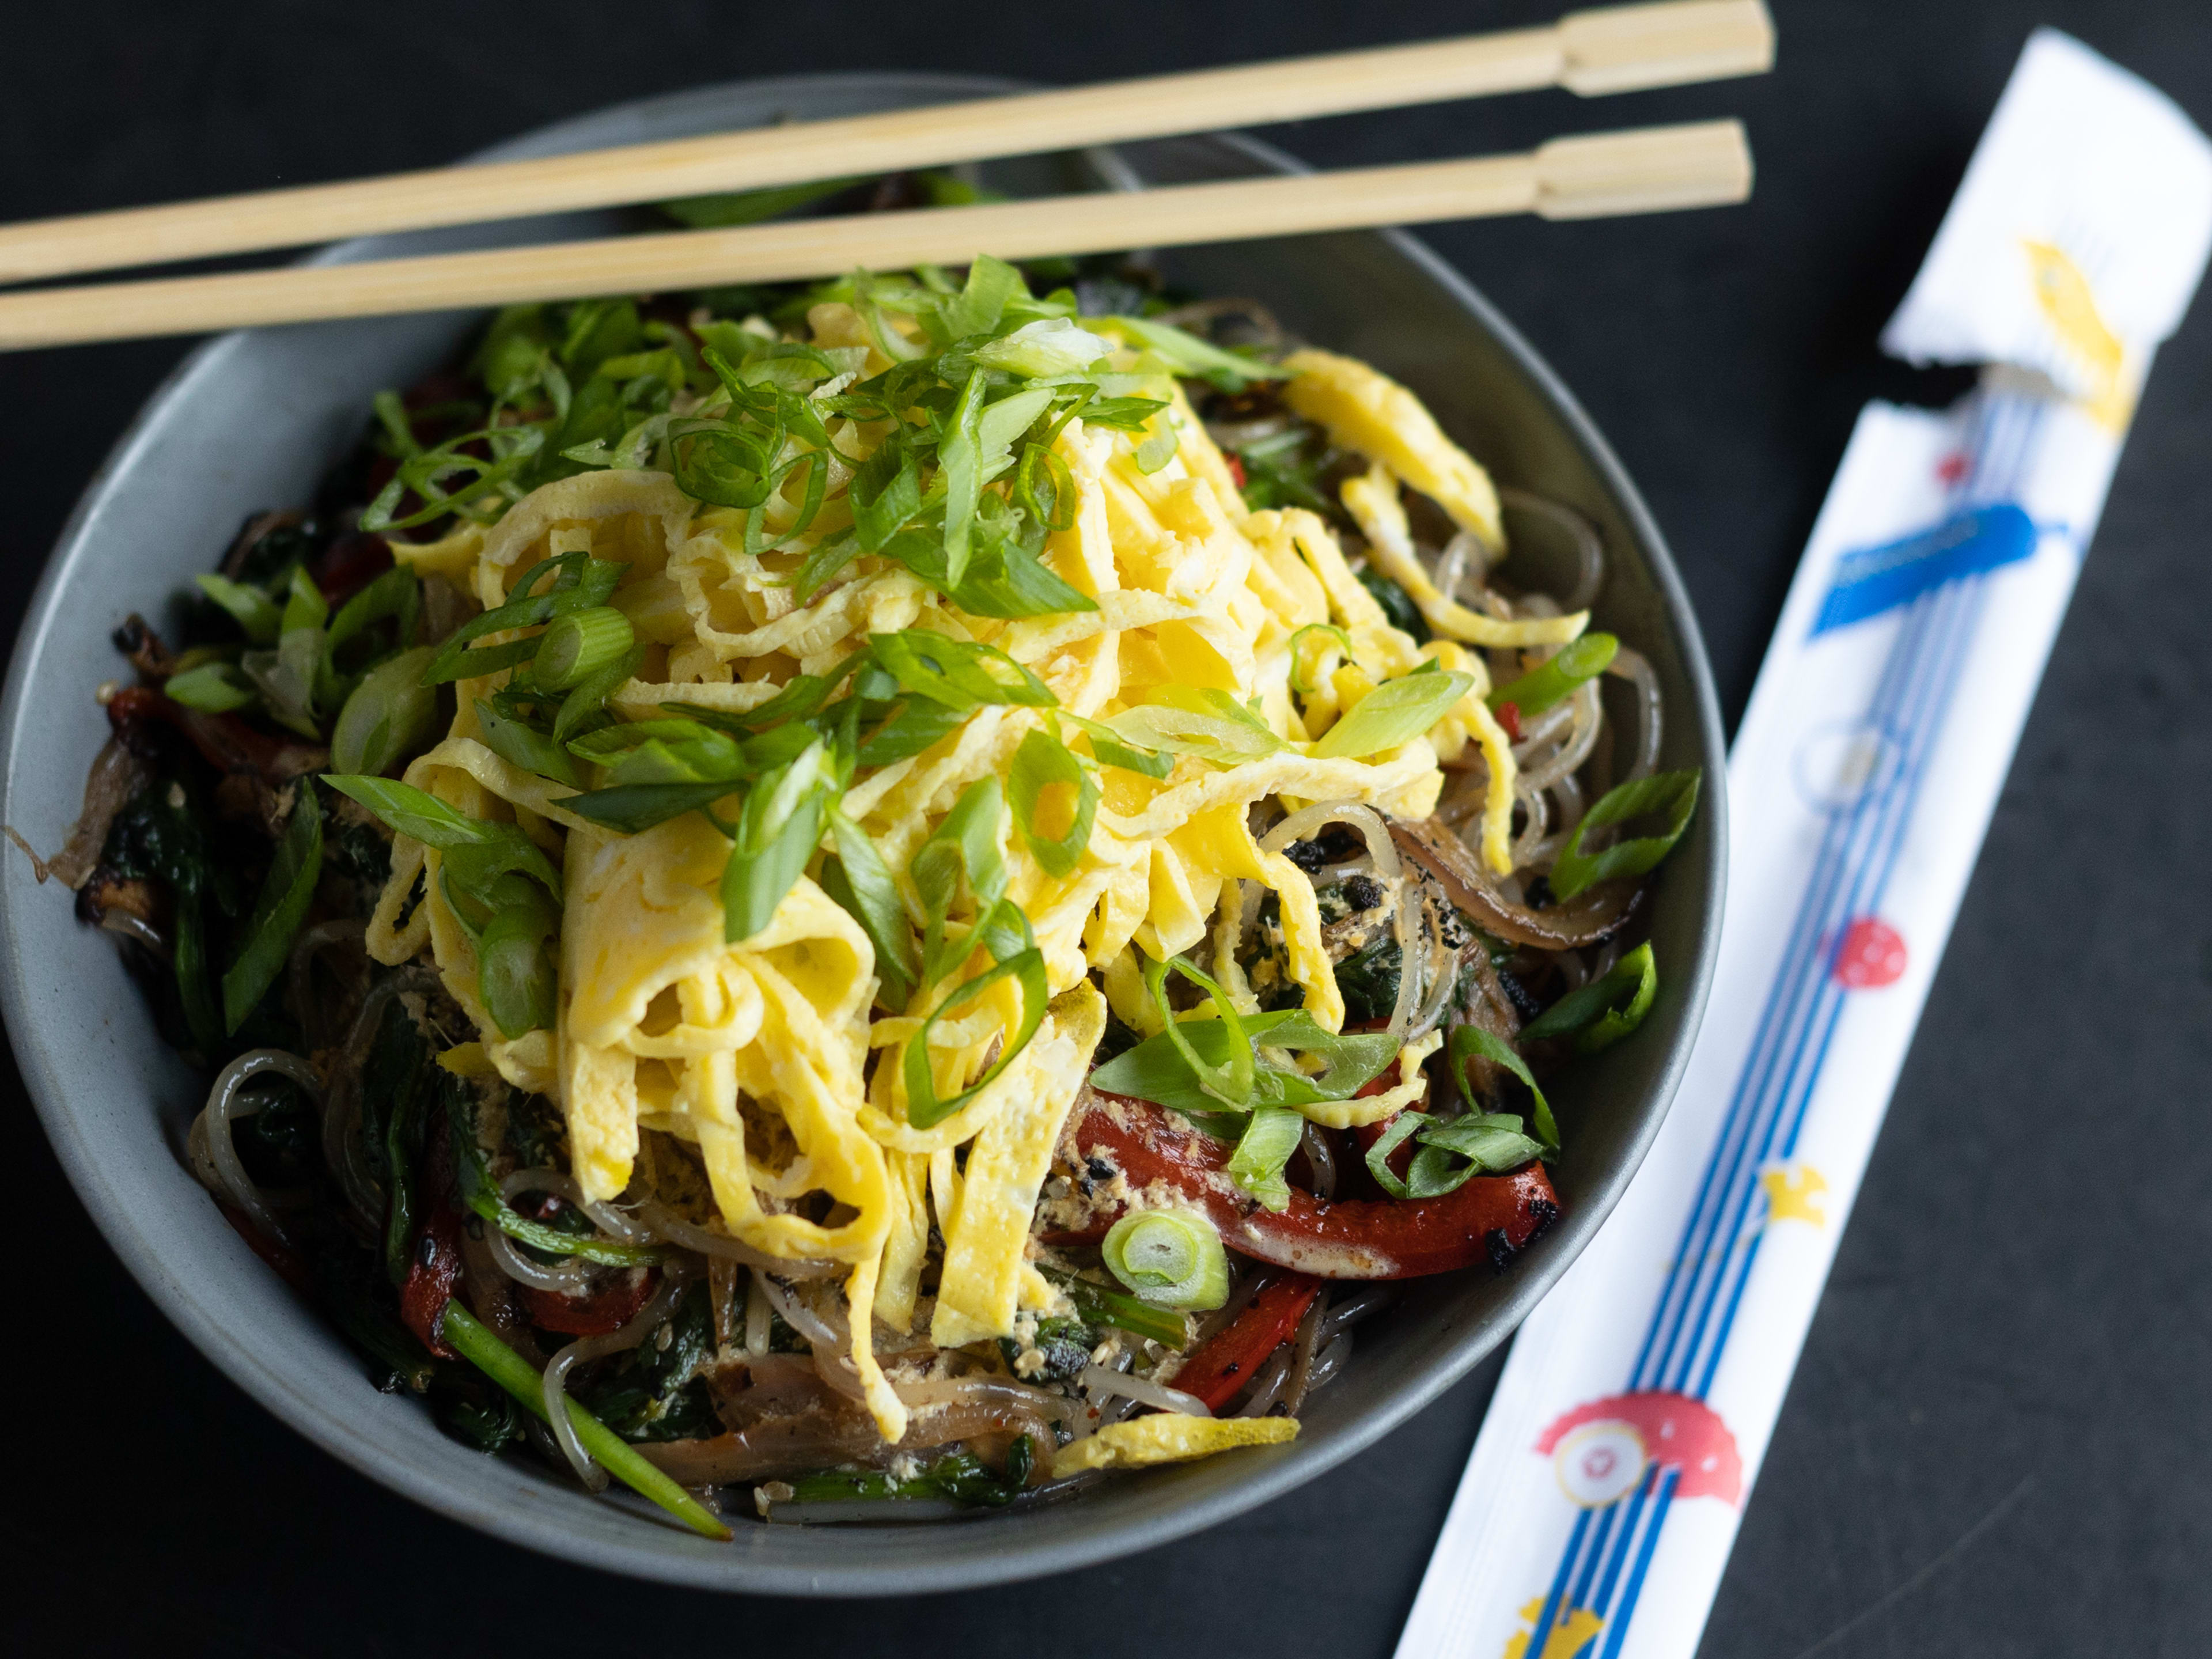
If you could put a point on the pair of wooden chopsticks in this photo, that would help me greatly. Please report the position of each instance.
(1614, 49)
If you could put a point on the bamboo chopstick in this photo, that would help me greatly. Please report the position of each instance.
(1650, 169)
(1613, 49)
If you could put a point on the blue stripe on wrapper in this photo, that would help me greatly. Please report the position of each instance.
(1877, 579)
(1610, 1548)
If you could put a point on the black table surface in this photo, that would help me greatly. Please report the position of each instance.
(1996, 1440)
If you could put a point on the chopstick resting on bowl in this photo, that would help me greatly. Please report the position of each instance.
(1613, 48)
(1647, 170)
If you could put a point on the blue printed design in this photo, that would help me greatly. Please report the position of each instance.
(1874, 580)
(1602, 1568)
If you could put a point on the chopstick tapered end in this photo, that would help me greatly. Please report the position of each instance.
(1651, 170)
(1625, 48)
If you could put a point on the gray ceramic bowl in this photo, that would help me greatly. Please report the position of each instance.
(253, 420)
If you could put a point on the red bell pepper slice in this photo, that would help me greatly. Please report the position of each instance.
(1488, 1218)
(610, 1308)
(433, 1271)
(1230, 1358)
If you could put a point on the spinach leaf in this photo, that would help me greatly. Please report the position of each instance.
(280, 911)
(1367, 979)
(650, 1393)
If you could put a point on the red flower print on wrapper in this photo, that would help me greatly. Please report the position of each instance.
(1871, 955)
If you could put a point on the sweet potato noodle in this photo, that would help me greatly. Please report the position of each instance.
(903, 894)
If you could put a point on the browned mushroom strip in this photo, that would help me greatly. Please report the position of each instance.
(1589, 917)
(114, 775)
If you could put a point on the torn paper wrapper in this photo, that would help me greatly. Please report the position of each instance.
(1597, 1512)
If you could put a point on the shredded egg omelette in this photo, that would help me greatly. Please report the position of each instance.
(776, 1055)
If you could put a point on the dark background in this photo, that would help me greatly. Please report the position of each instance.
(1996, 1440)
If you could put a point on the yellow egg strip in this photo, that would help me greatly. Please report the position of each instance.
(1400, 783)
(907, 1245)
(979, 1290)
(1366, 411)
(1372, 499)
(1373, 1109)
(390, 941)
(1497, 796)
(1167, 1437)
(590, 504)
(1221, 840)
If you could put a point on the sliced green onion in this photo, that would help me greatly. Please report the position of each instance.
(1378, 1155)
(579, 582)
(1156, 451)
(966, 848)
(923, 1108)
(575, 646)
(588, 699)
(519, 1378)
(1230, 1083)
(1299, 683)
(213, 688)
(1468, 1041)
(1397, 711)
(1109, 750)
(1003, 422)
(1450, 1153)
(1560, 676)
(1201, 720)
(960, 470)
(515, 974)
(883, 494)
(1045, 489)
(251, 609)
(1171, 1258)
(979, 305)
(1050, 345)
(286, 893)
(1491, 1141)
(478, 851)
(410, 811)
(1671, 795)
(1155, 1070)
(958, 674)
(1188, 354)
(521, 743)
(861, 883)
(1040, 763)
(482, 1198)
(777, 830)
(1596, 1016)
(395, 596)
(1265, 1147)
(304, 605)
(602, 1252)
(389, 717)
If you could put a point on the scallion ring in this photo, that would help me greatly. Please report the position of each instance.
(1171, 1258)
(577, 646)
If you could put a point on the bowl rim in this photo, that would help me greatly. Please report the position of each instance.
(1012, 1559)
